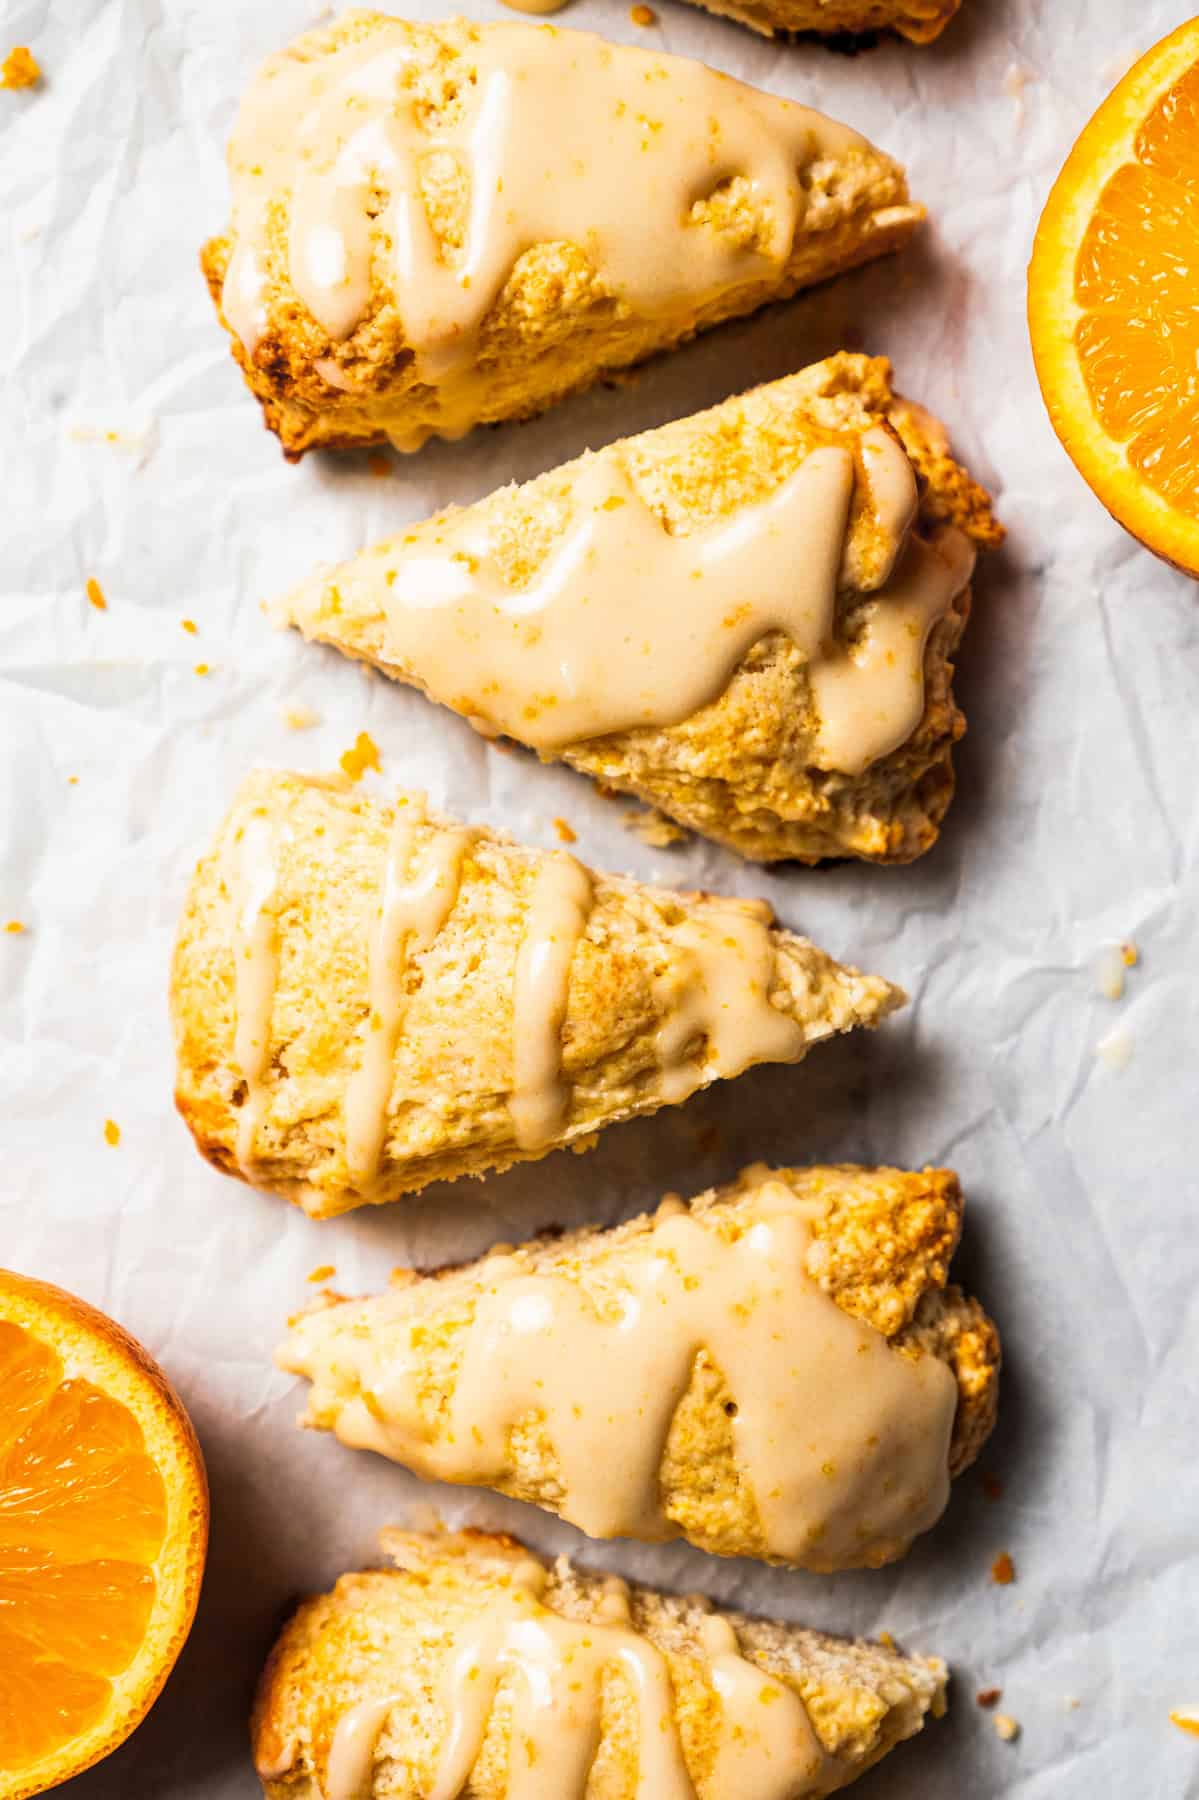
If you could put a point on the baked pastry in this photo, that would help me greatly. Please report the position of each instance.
(920, 21)
(472, 1664)
(432, 227)
(746, 618)
(367, 998)
(777, 1370)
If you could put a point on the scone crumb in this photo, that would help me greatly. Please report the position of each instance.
(95, 594)
(643, 15)
(322, 1272)
(112, 1132)
(1006, 1727)
(361, 756)
(988, 1697)
(189, 625)
(299, 718)
(1109, 972)
(20, 68)
(16, 926)
(1187, 1719)
(566, 833)
(1003, 1570)
(1130, 956)
(653, 828)
(885, 1638)
(1114, 1049)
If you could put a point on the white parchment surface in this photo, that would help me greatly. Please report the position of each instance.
(132, 454)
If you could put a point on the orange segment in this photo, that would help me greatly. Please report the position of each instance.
(1112, 313)
(103, 1525)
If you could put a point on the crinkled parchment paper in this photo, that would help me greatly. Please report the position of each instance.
(132, 455)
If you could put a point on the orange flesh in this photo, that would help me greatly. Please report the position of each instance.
(1137, 279)
(83, 1515)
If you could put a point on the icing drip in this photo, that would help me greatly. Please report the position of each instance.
(256, 967)
(559, 907)
(418, 896)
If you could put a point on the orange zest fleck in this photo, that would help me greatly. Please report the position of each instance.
(988, 1696)
(189, 625)
(1186, 1721)
(20, 68)
(362, 755)
(15, 925)
(322, 1272)
(95, 594)
(1130, 956)
(112, 1132)
(1003, 1570)
(566, 833)
(643, 15)
(203, 669)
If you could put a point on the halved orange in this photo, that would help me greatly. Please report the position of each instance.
(103, 1530)
(1112, 300)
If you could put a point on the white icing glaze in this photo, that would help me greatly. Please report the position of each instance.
(418, 896)
(628, 624)
(341, 141)
(352, 1752)
(766, 1742)
(715, 998)
(559, 907)
(256, 967)
(842, 1441)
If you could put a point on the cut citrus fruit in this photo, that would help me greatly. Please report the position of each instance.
(103, 1529)
(1112, 300)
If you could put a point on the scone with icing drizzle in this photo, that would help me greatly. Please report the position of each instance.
(474, 1669)
(920, 21)
(367, 998)
(746, 618)
(777, 1370)
(442, 226)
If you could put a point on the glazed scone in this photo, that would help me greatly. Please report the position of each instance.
(920, 21)
(777, 1370)
(746, 618)
(431, 226)
(367, 998)
(472, 1664)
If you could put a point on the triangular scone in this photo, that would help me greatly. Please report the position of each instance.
(367, 999)
(473, 1660)
(777, 1370)
(920, 21)
(746, 618)
(441, 226)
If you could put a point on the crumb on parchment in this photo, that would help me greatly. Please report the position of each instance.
(112, 1132)
(16, 926)
(1187, 1719)
(322, 1272)
(1130, 956)
(988, 1697)
(643, 15)
(189, 625)
(1006, 1727)
(1114, 1049)
(1003, 1570)
(203, 669)
(95, 594)
(299, 718)
(566, 833)
(20, 68)
(362, 755)
(653, 828)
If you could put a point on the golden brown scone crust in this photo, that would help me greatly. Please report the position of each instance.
(555, 327)
(740, 769)
(881, 1250)
(454, 1063)
(920, 21)
(392, 1632)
